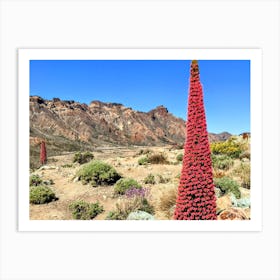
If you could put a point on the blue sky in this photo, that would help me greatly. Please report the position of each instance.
(145, 84)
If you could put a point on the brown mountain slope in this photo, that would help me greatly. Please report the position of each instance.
(70, 125)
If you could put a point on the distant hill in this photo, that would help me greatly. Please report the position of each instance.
(70, 125)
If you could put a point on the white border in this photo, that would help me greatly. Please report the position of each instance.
(24, 57)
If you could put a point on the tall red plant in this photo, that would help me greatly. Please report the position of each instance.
(196, 196)
(43, 153)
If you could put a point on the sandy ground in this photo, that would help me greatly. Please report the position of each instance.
(125, 161)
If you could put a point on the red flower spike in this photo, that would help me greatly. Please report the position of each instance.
(196, 196)
(43, 153)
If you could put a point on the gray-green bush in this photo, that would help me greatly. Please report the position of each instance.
(140, 215)
(179, 157)
(98, 173)
(143, 160)
(82, 210)
(82, 158)
(241, 202)
(227, 185)
(41, 195)
(124, 184)
(153, 159)
(35, 180)
(150, 179)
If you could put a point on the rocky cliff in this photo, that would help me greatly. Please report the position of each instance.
(69, 125)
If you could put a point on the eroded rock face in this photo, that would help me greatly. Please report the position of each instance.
(109, 122)
(104, 123)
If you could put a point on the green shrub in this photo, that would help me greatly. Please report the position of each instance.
(229, 148)
(150, 179)
(48, 182)
(140, 215)
(41, 195)
(157, 159)
(227, 185)
(98, 173)
(82, 210)
(116, 215)
(35, 180)
(223, 162)
(143, 161)
(125, 184)
(82, 158)
(179, 157)
(144, 205)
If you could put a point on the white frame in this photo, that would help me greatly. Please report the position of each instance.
(24, 57)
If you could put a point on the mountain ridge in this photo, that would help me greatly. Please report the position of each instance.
(104, 123)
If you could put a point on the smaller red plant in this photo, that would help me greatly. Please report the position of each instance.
(43, 153)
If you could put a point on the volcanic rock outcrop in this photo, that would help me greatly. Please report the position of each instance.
(69, 124)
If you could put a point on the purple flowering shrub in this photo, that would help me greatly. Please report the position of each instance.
(136, 199)
(125, 184)
(136, 192)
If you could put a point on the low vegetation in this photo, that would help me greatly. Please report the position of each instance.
(82, 210)
(41, 195)
(244, 172)
(217, 173)
(143, 160)
(128, 206)
(162, 180)
(147, 192)
(241, 202)
(144, 152)
(125, 184)
(167, 201)
(179, 157)
(231, 148)
(221, 161)
(140, 215)
(153, 159)
(98, 173)
(82, 158)
(35, 180)
(245, 155)
(136, 200)
(227, 185)
(150, 179)
(157, 159)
